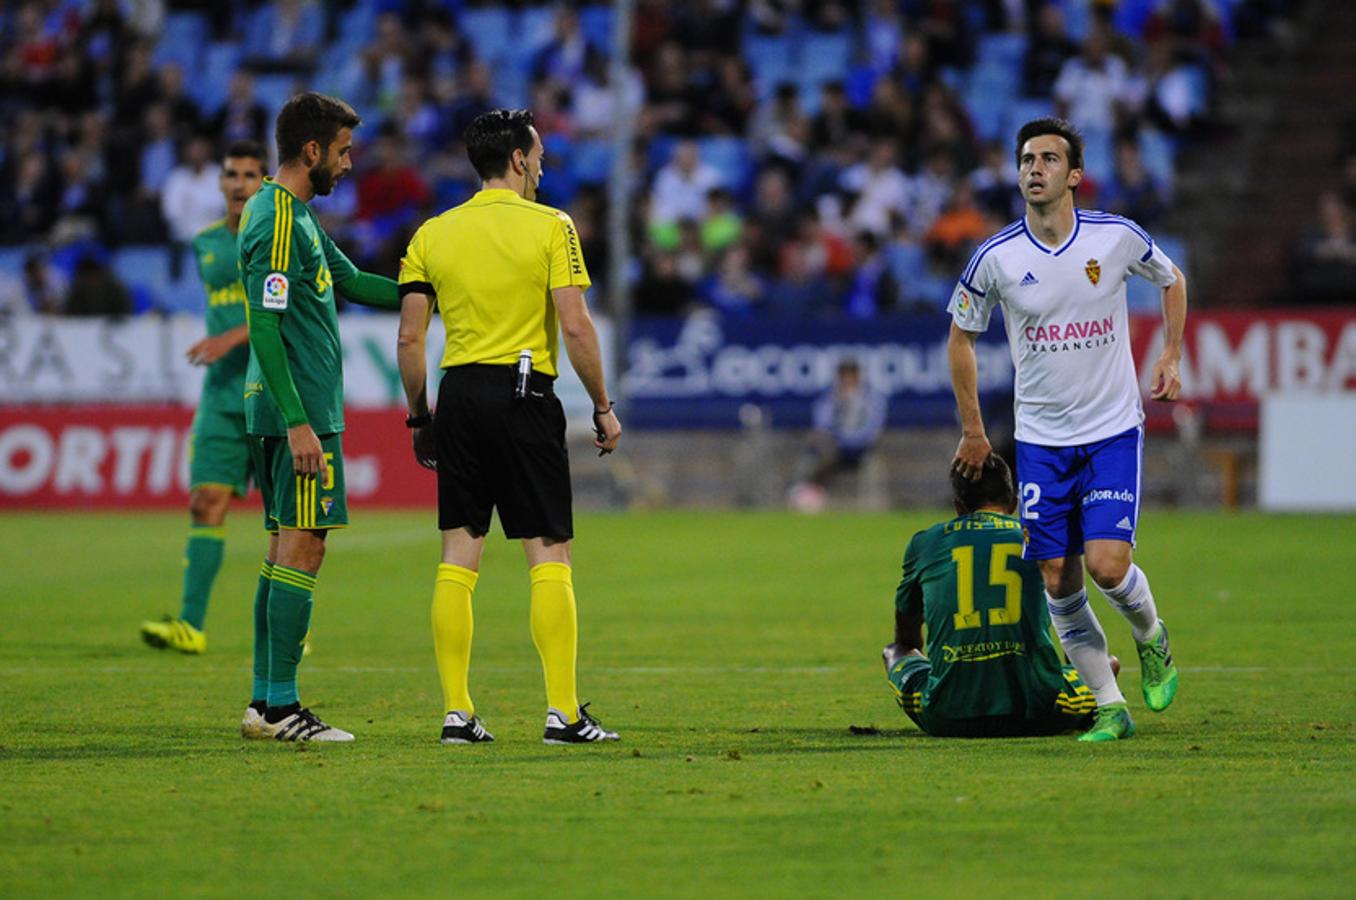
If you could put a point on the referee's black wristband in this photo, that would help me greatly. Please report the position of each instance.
(418, 421)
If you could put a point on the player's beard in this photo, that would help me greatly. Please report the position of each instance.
(322, 179)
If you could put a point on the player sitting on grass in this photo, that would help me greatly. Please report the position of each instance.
(990, 667)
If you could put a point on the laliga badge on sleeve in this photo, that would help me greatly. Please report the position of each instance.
(275, 291)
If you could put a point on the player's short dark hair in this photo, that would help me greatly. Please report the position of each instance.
(251, 149)
(1058, 127)
(994, 487)
(311, 117)
(492, 137)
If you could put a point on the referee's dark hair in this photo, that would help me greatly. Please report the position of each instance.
(311, 117)
(1059, 128)
(493, 136)
(243, 149)
(994, 488)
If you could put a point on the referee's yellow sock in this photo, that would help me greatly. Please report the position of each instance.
(452, 627)
(556, 633)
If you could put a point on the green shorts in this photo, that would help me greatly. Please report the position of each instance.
(1073, 707)
(218, 449)
(299, 501)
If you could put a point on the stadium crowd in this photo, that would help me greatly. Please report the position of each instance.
(792, 157)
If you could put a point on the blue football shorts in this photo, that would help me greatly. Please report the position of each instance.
(1068, 495)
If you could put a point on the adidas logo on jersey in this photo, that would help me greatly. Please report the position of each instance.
(1124, 523)
(1028, 280)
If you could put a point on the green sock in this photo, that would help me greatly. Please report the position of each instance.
(289, 618)
(202, 561)
(260, 691)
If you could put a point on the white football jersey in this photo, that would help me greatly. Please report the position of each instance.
(1065, 313)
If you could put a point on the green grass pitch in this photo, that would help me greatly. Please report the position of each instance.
(733, 652)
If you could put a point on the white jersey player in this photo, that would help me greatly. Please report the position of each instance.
(1059, 273)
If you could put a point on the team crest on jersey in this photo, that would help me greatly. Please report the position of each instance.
(326, 503)
(1094, 271)
(275, 291)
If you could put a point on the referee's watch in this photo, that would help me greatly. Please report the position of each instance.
(418, 421)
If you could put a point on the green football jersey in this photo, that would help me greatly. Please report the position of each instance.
(289, 266)
(988, 629)
(218, 267)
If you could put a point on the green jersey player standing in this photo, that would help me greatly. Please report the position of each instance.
(990, 667)
(219, 466)
(294, 395)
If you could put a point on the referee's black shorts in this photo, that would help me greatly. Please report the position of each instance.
(495, 451)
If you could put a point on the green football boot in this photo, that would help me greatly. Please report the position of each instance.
(1157, 674)
(1113, 723)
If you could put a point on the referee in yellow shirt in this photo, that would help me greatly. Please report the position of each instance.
(507, 276)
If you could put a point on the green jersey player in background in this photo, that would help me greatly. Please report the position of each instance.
(990, 668)
(219, 464)
(294, 395)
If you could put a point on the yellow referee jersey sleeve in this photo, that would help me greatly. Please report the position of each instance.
(567, 260)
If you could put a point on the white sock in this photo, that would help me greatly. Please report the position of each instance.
(1133, 599)
(1084, 640)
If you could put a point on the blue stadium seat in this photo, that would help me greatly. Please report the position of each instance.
(212, 75)
(181, 36)
(1132, 15)
(1006, 49)
(730, 157)
(824, 56)
(1023, 110)
(535, 29)
(12, 260)
(1159, 154)
(273, 91)
(596, 21)
(489, 31)
(591, 162)
(1077, 18)
(770, 59)
(147, 269)
(512, 84)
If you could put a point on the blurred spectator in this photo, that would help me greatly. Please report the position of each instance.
(671, 102)
(284, 35)
(1092, 85)
(961, 225)
(881, 188)
(735, 289)
(1132, 191)
(391, 191)
(592, 110)
(241, 117)
(801, 290)
(44, 287)
(191, 199)
(873, 289)
(995, 183)
(836, 122)
(722, 225)
(848, 421)
(563, 59)
(80, 206)
(1048, 49)
(884, 33)
(681, 186)
(96, 291)
(730, 100)
(28, 200)
(662, 291)
(185, 117)
(1325, 267)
